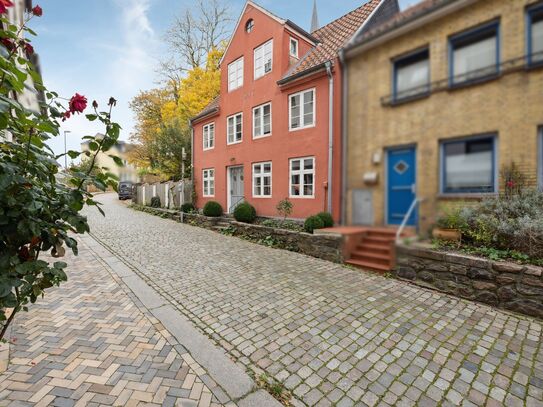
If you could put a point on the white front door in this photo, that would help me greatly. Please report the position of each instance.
(235, 187)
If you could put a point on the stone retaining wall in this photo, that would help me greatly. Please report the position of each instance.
(505, 285)
(321, 246)
(324, 247)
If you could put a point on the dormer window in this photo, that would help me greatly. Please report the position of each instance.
(294, 47)
(249, 26)
(263, 59)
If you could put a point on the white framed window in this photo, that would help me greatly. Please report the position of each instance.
(209, 136)
(263, 59)
(302, 177)
(262, 121)
(262, 180)
(293, 47)
(208, 181)
(302, 110)
(234, 127)
(235, 74)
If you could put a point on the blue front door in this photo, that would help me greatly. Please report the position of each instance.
(401, 180)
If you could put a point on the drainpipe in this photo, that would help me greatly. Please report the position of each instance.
(344, 117)
(191, 152)
(330, 133)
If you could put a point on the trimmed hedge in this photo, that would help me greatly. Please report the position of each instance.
(326, 219)
(312, 223)
(213, 209)
(245, 212)
(155, 202)
(187, 208)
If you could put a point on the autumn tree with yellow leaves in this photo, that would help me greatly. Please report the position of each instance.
(162, 115)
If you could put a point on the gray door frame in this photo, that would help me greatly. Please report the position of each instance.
(229, 185)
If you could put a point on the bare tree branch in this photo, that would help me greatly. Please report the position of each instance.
(192, 36)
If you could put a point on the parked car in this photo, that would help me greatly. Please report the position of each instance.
(125, 190)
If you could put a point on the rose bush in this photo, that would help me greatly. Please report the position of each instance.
(39, 205)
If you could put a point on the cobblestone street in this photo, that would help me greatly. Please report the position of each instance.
(333, 335)
(90, 344)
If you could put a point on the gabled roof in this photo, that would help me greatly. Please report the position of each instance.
(332, 37)
(403, 18)
(280, 20)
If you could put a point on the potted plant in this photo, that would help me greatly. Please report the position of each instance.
(448, 227)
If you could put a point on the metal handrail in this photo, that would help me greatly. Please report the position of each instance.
(233, 206)
(414, 204)
(503, 68)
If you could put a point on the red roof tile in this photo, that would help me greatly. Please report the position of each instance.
(333, 37)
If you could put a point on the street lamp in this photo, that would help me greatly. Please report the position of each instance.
(65, 150)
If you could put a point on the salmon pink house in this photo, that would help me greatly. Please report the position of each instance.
(274, 132)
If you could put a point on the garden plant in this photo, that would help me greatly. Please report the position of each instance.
(40, 205)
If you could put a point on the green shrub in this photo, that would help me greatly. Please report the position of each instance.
(245, 212)
(312, 223)
(512, 222)
(452, 219)
(187, 208)
(284, 208)
(213, 209)
(155, 202)
(326, 219)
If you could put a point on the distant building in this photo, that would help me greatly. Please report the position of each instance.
(103, 160)
(29, 98)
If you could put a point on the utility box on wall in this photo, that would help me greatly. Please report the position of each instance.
(362, 207)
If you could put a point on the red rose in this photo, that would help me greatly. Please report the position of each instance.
(8, 43)
(4, 4)
(37, 11)
(78, 103)
(29, 48)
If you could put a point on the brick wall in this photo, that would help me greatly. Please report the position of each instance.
(509, 106)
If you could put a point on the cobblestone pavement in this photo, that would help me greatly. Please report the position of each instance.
(89, 344)
(333, 335)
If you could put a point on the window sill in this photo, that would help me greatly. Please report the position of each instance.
(472, 82)
(208, 149)
(466, 195)
(301, 197)
(234, 143)
(259, 137)
(301, 128)
(532, 66)
(261, 197)
(408, 99)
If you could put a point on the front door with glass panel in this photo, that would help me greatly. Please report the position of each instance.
(236, 190)
(401, 180)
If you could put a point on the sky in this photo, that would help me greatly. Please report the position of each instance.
(103, 48)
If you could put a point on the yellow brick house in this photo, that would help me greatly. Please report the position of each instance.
(438, 99)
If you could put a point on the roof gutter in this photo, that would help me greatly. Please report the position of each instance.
(300, 75)
(410, 24)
